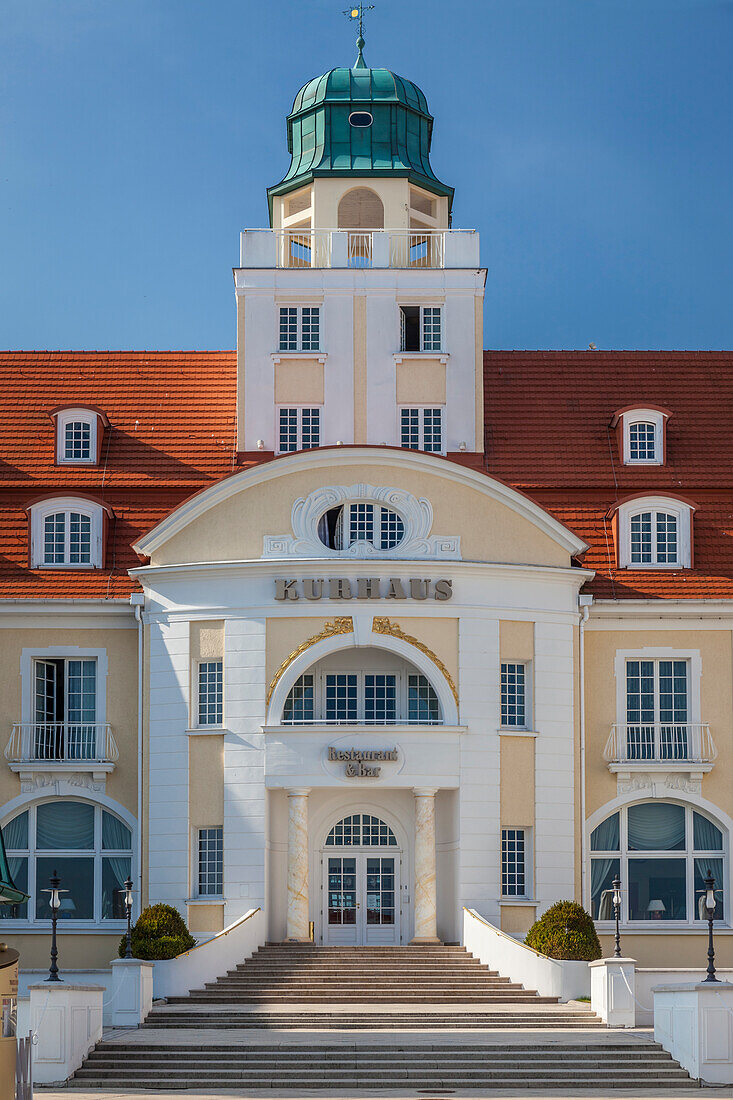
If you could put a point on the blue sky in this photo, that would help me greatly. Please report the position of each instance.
(588, 140)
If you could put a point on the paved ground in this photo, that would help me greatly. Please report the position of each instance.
(601, 1094)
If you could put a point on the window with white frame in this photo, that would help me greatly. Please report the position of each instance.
(661, 851)
(514, 694)
(66, 532)
(87, 846)
(642, 433)
(421, 429)
(65, 710)
(299, 429)
(361, 522)
(514, 869)
(76, 436)
(421, 328)
(657, 709)
(300, 328)
(211, 862)
(655, 532)
(210, 693)
(362, 698)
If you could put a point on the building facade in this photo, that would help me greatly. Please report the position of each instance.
(362, 624)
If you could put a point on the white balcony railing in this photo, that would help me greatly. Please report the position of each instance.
(359, 248)
(660, 743)
(62, 743)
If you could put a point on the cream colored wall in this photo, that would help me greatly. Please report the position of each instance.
(205, 920)
(360, 368)
(121, 693)
(716, 703)
(517, 919)
(420, 382)
(90, 951)
(660, 949)
(206, 643)
(516, 640)
(517, 782)
(299, 382)
(234, 529)
(327, 193)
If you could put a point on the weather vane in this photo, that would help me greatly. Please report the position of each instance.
(357, 12)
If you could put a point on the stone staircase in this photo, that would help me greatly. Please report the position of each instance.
(302, 974)
(413, 1019)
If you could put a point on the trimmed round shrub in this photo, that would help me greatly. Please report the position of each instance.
(565, 931)
(159, 933)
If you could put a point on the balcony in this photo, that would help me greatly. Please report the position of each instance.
(62, 747)
(359, 249)
(666, 745)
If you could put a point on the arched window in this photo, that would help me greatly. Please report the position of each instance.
(361, 831)
(382, 691)
(654, 532)
(661, 851)
(89, 848)
(67, 532)
(78, 435)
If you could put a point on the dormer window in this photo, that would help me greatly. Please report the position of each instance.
(78, 435)
(654, 533)
(642, 436)
(67, 533)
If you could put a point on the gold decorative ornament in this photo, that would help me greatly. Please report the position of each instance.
(342, 625)
(382, 625)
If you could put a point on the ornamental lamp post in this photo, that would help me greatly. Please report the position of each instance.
(710, 907)
(128, 909)
(617, 915)
(55, 903)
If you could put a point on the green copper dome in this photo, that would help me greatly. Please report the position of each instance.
(393, 138)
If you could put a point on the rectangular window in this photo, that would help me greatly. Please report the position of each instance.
(211, 862)
(300, 328)
(78, 440)
(79, 551)
(513, 868)
(65, 709)
(380, 698)
(211, 693)
(341, 697)
(421, 430)
(421, 328)
(656, 710)
(361, 523)
(513, 695)
(299, 429)
(422, 702)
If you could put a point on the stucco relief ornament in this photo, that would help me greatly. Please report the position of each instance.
(61, 784)
(631, 783)
(416, 514)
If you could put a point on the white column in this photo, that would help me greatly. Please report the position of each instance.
(425, 902)
(297, 929)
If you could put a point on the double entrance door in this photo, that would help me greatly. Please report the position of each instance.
(361, 894)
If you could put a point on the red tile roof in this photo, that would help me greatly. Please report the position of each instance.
(547, 432)
(548, 414)
(171, 433)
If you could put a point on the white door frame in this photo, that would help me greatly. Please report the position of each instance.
(361, 933)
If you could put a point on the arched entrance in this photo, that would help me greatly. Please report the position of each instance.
(361, 883)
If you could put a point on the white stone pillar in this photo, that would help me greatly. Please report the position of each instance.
(297, 928)
(613, 991)
(425, 897)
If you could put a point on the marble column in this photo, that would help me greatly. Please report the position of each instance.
(425, 897)
(297, 929)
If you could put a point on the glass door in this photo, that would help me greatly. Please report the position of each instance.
(362, 899)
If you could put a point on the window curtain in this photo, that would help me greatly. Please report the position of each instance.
(15, 833)
(115, 835)
(708, 838)
(656, 827)
(605, 837)
(64, 825)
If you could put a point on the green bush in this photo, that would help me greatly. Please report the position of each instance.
(160, 933)
(565, 931)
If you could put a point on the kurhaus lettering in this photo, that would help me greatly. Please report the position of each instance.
(363, 588)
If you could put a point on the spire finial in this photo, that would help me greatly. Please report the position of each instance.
(357, 12)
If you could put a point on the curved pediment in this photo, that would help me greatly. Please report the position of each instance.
(442, 510)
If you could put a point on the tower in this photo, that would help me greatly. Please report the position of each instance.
(359, 311)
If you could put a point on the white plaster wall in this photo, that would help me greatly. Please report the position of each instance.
(168, 764)
(478, 643)
(554, 762)
(245, 822)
